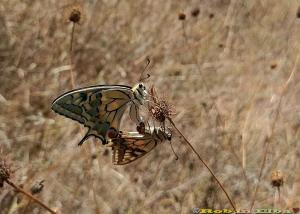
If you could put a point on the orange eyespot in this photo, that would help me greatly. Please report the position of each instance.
(112, 133)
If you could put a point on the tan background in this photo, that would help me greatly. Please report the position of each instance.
(238, 54)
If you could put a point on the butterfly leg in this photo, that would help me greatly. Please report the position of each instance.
(86, 136)
(176, 156)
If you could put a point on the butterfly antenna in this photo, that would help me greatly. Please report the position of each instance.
(176, 156)
(148, 75)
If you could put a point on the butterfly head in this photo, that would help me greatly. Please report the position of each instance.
(140, 92)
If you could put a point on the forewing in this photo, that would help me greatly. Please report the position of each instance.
(131, 146)
(96, 107)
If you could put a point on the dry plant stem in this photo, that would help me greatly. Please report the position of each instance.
(183, 32)
(220, 122)
(28, 203)
(205, 164)
(268, 138)
(275, 200)
(228, 23)
(278, 189)
(30, 196)
(244, 130)
(71, 55)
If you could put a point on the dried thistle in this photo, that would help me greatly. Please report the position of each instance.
(277, 178)
(5, 175)
(5, 171)
(195, 12)
(181, 16)
(73, 13)
(160, 109)
(5, 168)
(298, 12)
(273, 66)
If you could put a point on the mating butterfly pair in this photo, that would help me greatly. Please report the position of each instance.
(101, 108)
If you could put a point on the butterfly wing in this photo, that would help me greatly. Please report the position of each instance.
(130, 146)
(98, 107)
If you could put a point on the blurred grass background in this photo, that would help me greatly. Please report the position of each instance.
(236, 55)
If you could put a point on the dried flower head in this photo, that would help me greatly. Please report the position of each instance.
(73, 13)
(5, 171)
(277, 178)
(195, 12)
(37, 187)
(181, 16)
(298, 12)
(273, 66)
(159, 108)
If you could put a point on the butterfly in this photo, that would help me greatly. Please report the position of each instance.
(101, 108)
(129, 146)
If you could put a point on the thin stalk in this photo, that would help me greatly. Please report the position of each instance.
(268, 138)
(30, 196)
(71, 56)
(205, 164)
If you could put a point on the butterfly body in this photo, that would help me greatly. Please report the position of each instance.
(101, 107)
(129, 146)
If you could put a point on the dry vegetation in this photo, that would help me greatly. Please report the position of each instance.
(231, 71)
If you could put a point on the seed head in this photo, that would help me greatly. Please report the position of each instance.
(160, 108)
(5, 171)
(181, 16)
(277, 178)
(73, 13)
(195, 12)
(273, 66)
(298, 12)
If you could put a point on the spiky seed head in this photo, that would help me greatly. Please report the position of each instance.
(195, 12)
(5, 171)
(298, 12)
(277, 178)
(73, 13)
(181, 16)
(160, 108)
(5, 167)
(273, 66)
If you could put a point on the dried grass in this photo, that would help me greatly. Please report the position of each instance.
(243, 51)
